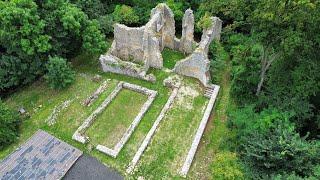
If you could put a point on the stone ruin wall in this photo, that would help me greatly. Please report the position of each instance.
(197, 64)
(143, 45)
(128, 43)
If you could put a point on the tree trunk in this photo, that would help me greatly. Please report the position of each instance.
(266, 62)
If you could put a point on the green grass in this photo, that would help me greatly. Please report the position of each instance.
(170, 145)
(218, 138)
(110, 126)
(171, 142)
(171, 57)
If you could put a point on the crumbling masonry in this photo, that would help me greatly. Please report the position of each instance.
(136, 49)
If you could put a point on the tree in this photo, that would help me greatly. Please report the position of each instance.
(266, 61)
(59, 74)
(290, 29)
(23, 43)
(125, 14)
(245, 68)
(93, 40)
(270, 144)
(9, 126)
(280, 149)
(31, 31)
(69, 27)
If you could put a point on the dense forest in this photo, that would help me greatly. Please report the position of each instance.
(271, 46)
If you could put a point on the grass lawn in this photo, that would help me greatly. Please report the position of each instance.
(170, 145)
(171, 57)
(168, 149)
(111, 124)
(217, 136)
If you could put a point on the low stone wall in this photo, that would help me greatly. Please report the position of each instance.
(152, 131)
(57, 109)
(186, 166)
(79, 134)
(95, 95)
(113, 64)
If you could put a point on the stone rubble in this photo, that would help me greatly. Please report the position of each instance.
(173, 81)
(51, 120)
(95, 95)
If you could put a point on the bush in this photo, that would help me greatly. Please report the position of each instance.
(218, 61)
(9, 126)
(59, 74)
(125, 14)
(205, 22)
(226, 166)
(270, 144)
(246, 65)
(106, 24)
(177, 9)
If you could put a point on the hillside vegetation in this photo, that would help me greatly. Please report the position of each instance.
(266, 122)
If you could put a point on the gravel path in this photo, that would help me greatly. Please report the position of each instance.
(88, 167)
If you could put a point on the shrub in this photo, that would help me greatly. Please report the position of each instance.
(106, 24)
(226, 166)
(125, 14)
(218, 61)
(270, 144)
(177, 8)
(245, 72)
(205, 22)
(9, 126)
(59, 74)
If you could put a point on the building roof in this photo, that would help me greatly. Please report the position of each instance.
(41, 157)
(88, 167)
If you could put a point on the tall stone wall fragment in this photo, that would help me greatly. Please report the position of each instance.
(167, 28)
(152, 54)
(197, 64)
(187, 41)
(213, 32)
(128, 43)
(151, 43)
(134, 50)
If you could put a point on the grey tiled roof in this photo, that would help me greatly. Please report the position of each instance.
(41, 157)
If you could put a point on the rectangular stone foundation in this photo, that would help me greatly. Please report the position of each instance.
(78, 135)
(192, 151)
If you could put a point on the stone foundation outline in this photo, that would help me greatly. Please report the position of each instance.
(152, 131)
(79, 134)
(195, 143)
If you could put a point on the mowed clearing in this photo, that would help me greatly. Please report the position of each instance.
(167, 151)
